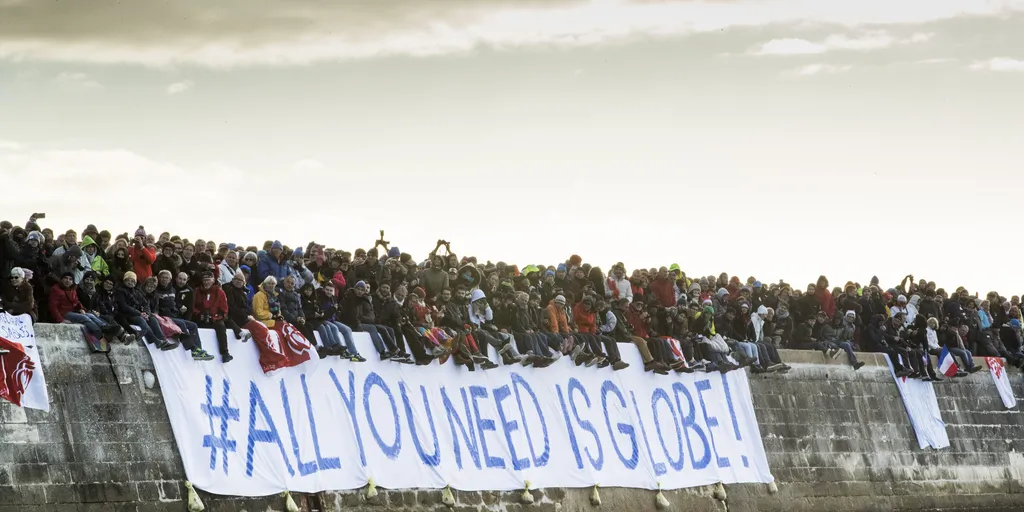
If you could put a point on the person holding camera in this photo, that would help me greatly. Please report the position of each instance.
(210, 311)
(142, 253)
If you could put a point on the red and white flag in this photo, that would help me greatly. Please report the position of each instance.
(282, 346)
(21, 373)
(995, 367)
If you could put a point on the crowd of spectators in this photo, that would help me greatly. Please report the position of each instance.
(162, 289)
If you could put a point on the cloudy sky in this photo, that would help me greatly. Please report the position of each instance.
(775, 138)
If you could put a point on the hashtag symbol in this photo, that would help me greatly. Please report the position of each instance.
(225, 412)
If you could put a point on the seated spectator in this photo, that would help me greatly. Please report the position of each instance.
(337, 331)
(65, 308)
(846, 330)
(606, 329)
(292, 309)
(481, 324)
(18, 297)
(211, 310)
(133, 308)
(357, 308)
(953, 340)
(165, 306)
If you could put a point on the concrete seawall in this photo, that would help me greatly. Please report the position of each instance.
(836, 440)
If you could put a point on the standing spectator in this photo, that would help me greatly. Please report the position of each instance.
(228, 268)
(142, 254)
(92, 255)
(272, 264)
(166, 260)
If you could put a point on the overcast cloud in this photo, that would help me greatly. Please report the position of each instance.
(275, 32)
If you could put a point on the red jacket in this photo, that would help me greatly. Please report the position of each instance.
(664, 290)
(637, 323)
(212, 301)
(142, 262)
(584, 320)
(828, 304)
(63, 302)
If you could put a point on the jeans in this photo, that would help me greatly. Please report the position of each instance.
(768, 354)
(191, 331)
(382, 344)
(964, 355)
(848, 347)
(92, 323)
(748, 349)
(150, 328)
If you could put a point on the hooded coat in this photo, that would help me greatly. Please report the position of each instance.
(96, 261)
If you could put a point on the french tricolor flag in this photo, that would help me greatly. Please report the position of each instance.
(947, 366)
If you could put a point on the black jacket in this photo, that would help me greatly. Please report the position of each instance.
(131, 301)
(356, 310)
(238, 305)
(167, 302)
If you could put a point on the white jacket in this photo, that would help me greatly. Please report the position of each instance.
(623, 286)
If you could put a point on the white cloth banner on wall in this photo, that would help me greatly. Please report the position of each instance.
(998, 371)
(21, 371)
(923, 409)
(331, 424)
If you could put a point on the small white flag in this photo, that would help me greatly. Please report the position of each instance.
(995, 367)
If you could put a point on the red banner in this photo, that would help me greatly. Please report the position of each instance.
(17, 368)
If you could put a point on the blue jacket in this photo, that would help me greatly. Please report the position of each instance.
(268, 266)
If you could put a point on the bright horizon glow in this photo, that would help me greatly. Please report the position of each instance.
(779, 139)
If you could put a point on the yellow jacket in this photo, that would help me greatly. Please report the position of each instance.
(261, 309)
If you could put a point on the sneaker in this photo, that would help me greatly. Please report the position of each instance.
(356, 358)
(604, 363)
(775, 367)
(926, 379)
(479, 358)
(727, 367)
(858, 365)
(487, 364)
(937, 379)
(756, 368)
(167, 345)
(423, 362)
(836, 352)
(246, 337)
(619, 365)
(199, 354)
(385, 356)
(974, 369)
(592, 360)
(226, 358)
(961, 373)
(322, 352)
(903, 373)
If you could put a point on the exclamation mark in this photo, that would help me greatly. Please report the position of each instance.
(732, 414)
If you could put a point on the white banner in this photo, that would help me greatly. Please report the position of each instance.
(923, 409)
(22, 377)
(332, 424)
(998, 371)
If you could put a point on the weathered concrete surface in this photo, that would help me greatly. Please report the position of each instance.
(836, 439)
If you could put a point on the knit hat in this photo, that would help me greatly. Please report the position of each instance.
(141, 231)
(561, 267)
(1015, 323)
(694, 287)
(757, 284)
(276, 245)
(297, 252)
(560, 300)
(394, 253)
(362, 284)
(168, 245)
(851, 313)
(130, 275)
(761, 310)
(549, 273)
(575, 260)
(416, 291)
(35, 235)
(722, 292)
(68, 274)
(901, 298)
(18, 272)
